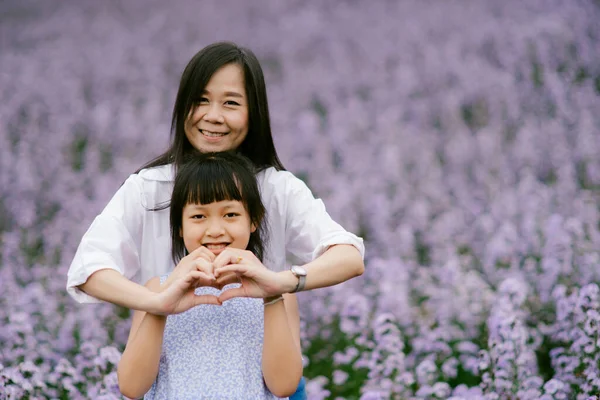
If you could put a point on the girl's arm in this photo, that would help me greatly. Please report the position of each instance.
(138, 367)
(282, 358)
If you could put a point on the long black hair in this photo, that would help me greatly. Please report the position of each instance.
(204, 178)
(258, 145)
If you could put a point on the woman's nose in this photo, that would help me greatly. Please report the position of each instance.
(214, 114)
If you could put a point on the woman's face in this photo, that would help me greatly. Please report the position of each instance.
(219, 122)
(216, 226)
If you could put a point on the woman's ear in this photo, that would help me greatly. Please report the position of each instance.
(180, 233)
(252, 228)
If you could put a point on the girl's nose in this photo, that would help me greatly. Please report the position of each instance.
(215, 229)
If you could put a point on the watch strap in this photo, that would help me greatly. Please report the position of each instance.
(301, 282)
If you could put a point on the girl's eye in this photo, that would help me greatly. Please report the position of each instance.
(203, 100)
(197, 216)
(232, 215)
(232, 103)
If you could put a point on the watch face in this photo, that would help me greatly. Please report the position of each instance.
(298, 271)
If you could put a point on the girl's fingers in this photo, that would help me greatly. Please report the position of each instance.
(232, 293)
(199, 278)
(229, 257)
(205, 266)
(207, 254)
(202, 252)
(238, 269)
(226, 279)
(207, 299)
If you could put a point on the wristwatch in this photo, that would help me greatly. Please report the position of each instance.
(301, 274)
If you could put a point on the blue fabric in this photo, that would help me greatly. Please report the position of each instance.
(300, 393)
(213, 352)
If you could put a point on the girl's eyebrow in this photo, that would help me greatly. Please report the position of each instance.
(230, 204)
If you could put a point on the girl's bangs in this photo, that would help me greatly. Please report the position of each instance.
(213, 183)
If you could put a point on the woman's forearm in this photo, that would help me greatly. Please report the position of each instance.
(139, 364)
(338, 264)
(109, 285)
(282, 359)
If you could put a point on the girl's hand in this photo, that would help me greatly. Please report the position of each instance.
(257, 281)
(179, 296)
(200, 260)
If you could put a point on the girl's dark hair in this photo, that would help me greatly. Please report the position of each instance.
(258, 145)
(210, 177)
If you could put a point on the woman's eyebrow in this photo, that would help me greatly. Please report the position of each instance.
(227, 94)
(233, 94)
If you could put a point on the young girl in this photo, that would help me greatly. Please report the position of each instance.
(245, 348)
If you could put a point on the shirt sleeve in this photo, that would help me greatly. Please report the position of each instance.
(310, 230)
(109, 242)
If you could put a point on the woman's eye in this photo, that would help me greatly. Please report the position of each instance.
(203, 100)
(232, 215)
(232, 103)
(197, 216)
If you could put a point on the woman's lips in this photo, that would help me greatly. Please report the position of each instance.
(212, 136)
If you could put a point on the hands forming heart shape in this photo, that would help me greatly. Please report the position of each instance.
(202, 268)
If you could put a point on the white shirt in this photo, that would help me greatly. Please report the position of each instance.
(135, 241)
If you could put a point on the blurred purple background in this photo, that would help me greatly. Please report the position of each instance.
(461, 139)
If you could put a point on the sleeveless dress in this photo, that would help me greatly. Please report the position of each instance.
(213, 352)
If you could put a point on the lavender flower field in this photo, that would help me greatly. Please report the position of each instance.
(460, 139)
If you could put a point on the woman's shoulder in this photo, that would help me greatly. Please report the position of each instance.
(150, 187)
(162, 173)
(278, 178)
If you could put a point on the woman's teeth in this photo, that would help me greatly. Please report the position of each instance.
(212, 134)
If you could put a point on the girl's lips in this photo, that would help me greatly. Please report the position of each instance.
(216, 248)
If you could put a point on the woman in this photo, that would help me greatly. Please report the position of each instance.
(221, 105)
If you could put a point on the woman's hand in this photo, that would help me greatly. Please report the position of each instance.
(257, 281)
(179, 296)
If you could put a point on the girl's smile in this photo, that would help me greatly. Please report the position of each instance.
(216, 248)
(216, 226)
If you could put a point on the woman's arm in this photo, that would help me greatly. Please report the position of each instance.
(109, 285)
(109, 248)
(282, 359)
(332, 254)
(138, 367)
(338, 264)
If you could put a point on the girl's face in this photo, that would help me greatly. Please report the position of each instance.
(219, 122)
(216, 226)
